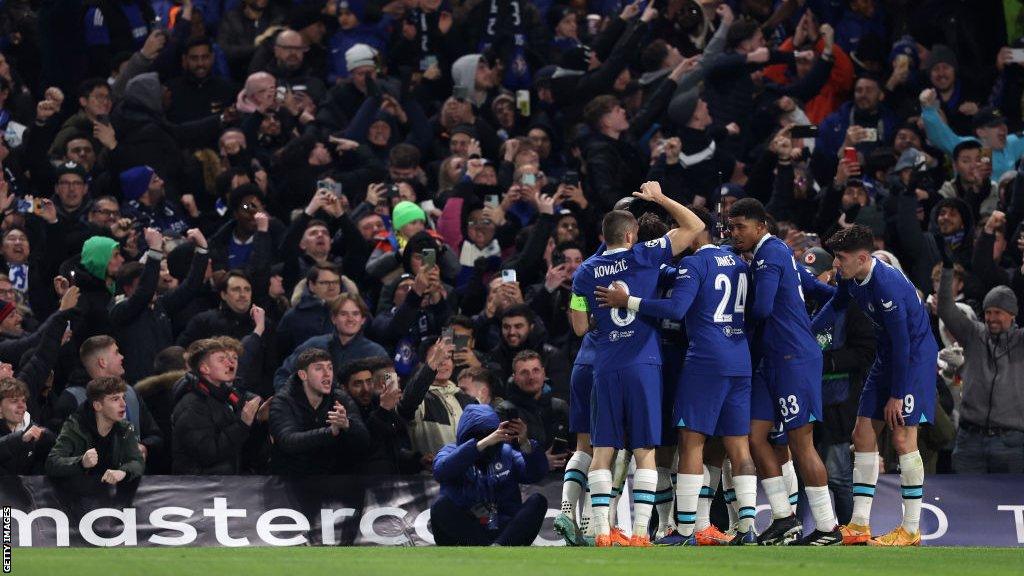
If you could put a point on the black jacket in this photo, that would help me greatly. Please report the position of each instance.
(389, 451)
(193, 99)
(207, 428)
(546, 418)
(220, 322)
(854, 358)
(302, 441)
(142, 325)
(615, 168)
(18, 457)
(555, 364)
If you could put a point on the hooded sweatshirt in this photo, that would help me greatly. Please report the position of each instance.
(464, 75)
(469, 477)
(96, 254)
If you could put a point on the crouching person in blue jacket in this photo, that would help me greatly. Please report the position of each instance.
(480, 503)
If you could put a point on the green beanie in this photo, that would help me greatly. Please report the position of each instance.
(96, 254)
(405, 212)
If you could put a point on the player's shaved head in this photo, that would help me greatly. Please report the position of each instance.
(616, 225)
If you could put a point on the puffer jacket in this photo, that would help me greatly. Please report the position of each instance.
(303, 443)
(207, 428)
(469, 477)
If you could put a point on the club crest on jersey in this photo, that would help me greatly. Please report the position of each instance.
(760, 263)
(616, 335)
(730, 331)
(656, 242)
(887, 306)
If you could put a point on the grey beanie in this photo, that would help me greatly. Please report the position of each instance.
(682, 107)
(1002, 298)
(941, 54)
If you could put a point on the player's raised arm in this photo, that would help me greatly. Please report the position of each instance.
(689, 224)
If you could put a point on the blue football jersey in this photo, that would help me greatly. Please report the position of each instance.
(585, 355)
(902, 327)
(710, 292)
(778, 300)
(623, 338)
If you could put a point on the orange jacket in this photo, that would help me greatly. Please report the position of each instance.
(835, 91)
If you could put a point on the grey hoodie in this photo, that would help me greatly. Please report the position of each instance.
(464, 73)
(146, 91)
(993, 370)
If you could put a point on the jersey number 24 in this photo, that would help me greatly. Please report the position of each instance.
(724, 285)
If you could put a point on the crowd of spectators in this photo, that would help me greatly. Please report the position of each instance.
(301, 237)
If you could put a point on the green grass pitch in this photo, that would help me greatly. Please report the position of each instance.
(521, 561)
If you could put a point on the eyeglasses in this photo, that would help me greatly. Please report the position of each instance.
(481, 223)
(251, 207)
(329, 282)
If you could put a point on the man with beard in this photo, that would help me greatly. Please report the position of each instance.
(211, 418)
(316, 428)
(241, 26)
(288, 65)
(518, 334)
(849, 126)
(148, 203)
(377, 396)
(198, 93)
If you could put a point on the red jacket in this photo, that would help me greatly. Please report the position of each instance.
(835, 91)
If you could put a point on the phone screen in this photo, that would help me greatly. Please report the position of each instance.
(430, 257)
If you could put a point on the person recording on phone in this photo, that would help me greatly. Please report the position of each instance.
(421, 308)
(431, 403)
(480, 502)
(862, 123)
(374, 387)
(550, 298)
(990, 129)
(530, 400)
